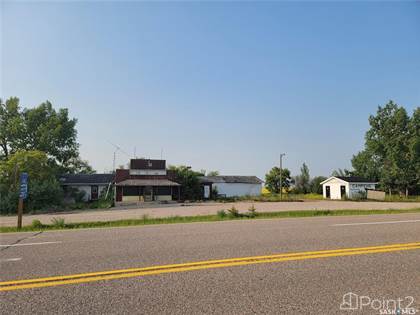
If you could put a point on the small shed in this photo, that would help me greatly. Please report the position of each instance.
(340, 187)
(231, 186)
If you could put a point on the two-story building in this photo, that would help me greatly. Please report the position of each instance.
(145, 180)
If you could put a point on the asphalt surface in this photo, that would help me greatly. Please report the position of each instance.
(310, 286)
(204, 208)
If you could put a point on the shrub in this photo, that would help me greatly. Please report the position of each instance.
(221, 213)
(100, 204)
(58, 222)
(252, 212)
(322, 212)
(44, 194)
(8, 202)
(191, 188)
(36, 224)
(78, 195)
(233, 212)
(44, 191)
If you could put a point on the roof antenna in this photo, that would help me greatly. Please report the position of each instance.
(117, 148)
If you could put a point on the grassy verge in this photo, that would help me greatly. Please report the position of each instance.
(58, 223)
(397, 198)
(287, 197)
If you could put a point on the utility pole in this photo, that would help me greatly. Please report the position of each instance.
(281, 183)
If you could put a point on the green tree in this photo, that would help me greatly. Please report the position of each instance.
(341, 172)
(302, 181)
(189, 180)
(414, 149)
(272, 179)
(390, 149)
(44, 129)
(44, 189)
(213, 173)
(366, 165)
(77, 165)
(315, 184)
(11, 126)
(52, 132)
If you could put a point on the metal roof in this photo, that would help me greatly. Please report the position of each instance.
(355, 179)
(147, 182)
(350, 179)
(231, 179)
(81, 179)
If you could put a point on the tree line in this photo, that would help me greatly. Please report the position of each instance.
(299, 184)
(391, 156)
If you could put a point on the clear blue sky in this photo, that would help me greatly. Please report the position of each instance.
(218, 86)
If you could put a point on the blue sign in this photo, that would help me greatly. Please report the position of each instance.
(23, 189)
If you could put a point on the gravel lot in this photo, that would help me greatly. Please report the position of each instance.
(203, 209)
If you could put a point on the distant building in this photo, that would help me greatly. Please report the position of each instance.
(146, 180)
(338, 187)
(91, 184)
(230, 186)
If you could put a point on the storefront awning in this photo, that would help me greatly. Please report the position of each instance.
(147, 182)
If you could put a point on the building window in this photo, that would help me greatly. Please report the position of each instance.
(131, 191)
(162, 190)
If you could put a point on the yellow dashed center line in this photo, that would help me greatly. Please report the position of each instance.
(200, 265)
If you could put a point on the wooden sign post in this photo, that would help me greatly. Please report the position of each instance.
(20, 213)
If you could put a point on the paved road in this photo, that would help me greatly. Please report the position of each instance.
(204, 209)
(297, 284)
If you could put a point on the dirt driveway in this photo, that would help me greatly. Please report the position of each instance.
(203, 209)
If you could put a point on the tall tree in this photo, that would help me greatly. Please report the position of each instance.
(52, 132)
(79, 166)
(315, 184)
(414, 149)
(302, 181)
(11, 127)
(272, 179)
(390, 149)
(40, 128)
